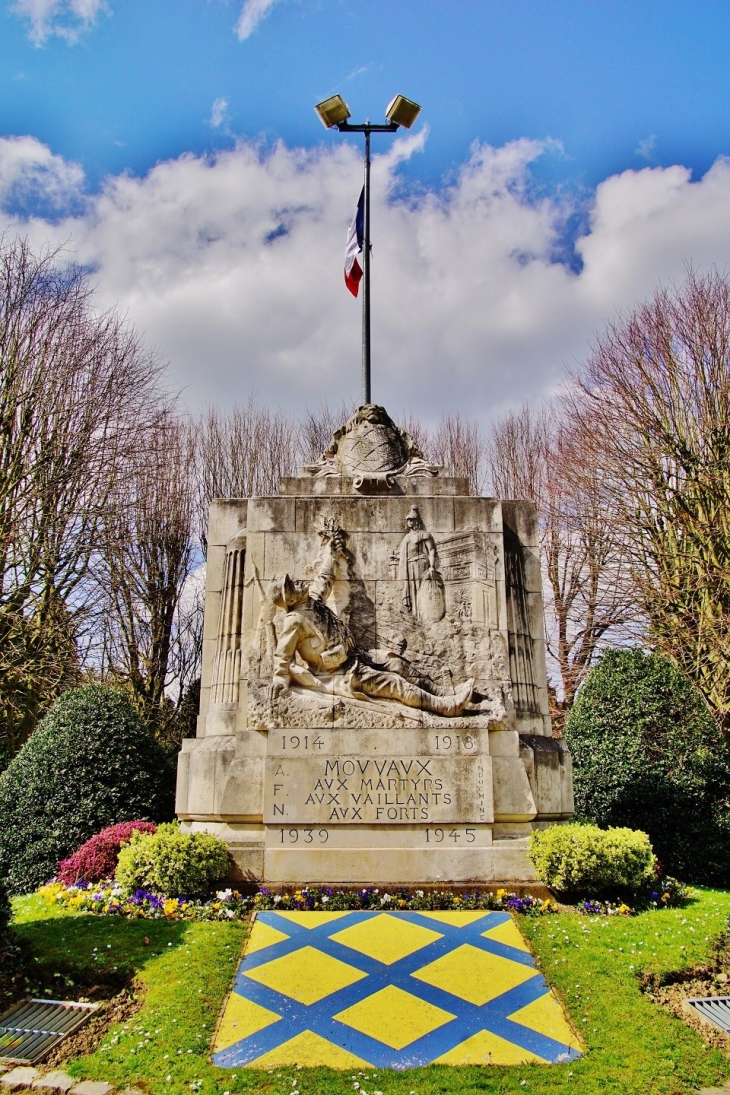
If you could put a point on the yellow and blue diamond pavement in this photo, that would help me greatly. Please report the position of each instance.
(390, 990)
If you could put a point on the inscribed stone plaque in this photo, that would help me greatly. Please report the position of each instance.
(377, 790)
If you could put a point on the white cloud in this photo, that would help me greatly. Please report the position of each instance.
(232, 265)
(252, 12)
(64, 18)
(30, 175)
(219, 112)
(646, 148)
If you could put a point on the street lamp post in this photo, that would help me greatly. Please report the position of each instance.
(333, 114)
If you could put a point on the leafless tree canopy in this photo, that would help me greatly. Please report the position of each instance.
(458, 444)
(588, 596)
(243, 453)
(153, 612)
(653, 405)
(316, 429)
(79, 396)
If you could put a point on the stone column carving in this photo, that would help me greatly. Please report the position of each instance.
(227, 662)
(522, 668)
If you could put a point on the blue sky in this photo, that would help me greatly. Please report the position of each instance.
(618, 84)
(591, 109)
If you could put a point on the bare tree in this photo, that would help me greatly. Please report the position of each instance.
(78, 395)
(459, 445)
(653, 404)
(316, 428)
(588, 594)
(152, 634)
(242, 454)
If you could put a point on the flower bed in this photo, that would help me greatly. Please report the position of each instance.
(108, 898)
(669, 894)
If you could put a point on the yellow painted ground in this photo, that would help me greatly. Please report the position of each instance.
(390, 990)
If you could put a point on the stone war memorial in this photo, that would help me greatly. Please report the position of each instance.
(374, 694)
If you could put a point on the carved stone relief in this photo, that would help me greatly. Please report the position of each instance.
(418, 570)
(227, 663)
(372, 449)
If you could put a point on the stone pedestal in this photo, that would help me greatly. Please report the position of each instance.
(349, 769)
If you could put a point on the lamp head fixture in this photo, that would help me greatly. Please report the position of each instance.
(332, 111)
(402, 111)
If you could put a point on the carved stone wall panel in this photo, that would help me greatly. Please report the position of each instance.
(226, 517)
(549, 770)
(521, 519)
(339, 485)
(271, 515)
(407, 838)
(483, 514)
(206, 670)
(384, 865)
(375, 515)
(292, 553)
(215, 565)
(211, 619)
(373, 553)
(462, 739)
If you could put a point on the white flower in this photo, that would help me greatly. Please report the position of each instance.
(277, 898)
(224, 895)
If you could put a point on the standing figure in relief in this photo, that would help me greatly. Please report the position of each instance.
(418, 569)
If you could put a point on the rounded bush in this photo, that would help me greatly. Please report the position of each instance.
(586, 860)
(648, 754)
(97, 858)
(91, 763)
(172, 863)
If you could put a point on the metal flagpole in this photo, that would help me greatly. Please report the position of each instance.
(333, 113)
(366, 275)
(367, 129)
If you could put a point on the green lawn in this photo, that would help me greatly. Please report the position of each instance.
(634, 1046)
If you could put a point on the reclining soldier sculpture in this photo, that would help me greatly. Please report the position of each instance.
(331, 656)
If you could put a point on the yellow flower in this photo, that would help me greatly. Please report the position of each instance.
(170, 907)
(501, 893)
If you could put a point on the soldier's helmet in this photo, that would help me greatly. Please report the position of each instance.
(281, 591)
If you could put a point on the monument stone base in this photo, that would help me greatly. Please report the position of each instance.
(373, 695)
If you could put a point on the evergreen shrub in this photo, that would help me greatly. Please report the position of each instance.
(172, 863)
(91, 763)
(586, 860)
(648, 754)
(97, 858)
(5, 914)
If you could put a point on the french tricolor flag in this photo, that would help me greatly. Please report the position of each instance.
(353, 251)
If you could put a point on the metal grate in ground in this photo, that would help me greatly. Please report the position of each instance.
(29, 1031)
(714, 1008)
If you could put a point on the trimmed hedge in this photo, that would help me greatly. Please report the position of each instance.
(91, 763)
(647, 754)
(172, 863)
(97, 858)
(592, 862)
